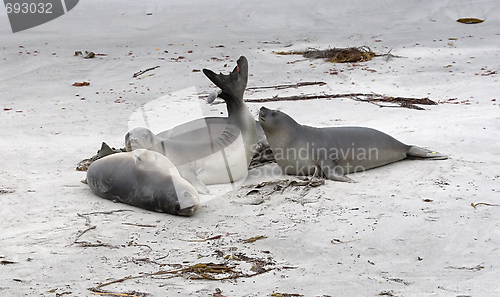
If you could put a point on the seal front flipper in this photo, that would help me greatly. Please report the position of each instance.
(188, 173)
(418, 152)
(331, 170)
(232, 84)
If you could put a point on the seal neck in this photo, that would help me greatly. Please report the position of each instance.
(233, 104)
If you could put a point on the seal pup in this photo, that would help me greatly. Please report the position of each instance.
(145, 179)
(223, 159)
(332, 152)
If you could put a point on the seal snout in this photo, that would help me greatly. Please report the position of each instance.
(187, 212)
(262, 114)
(129, 142)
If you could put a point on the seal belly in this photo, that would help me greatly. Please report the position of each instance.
(225, 166)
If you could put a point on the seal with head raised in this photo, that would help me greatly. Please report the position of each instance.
(145, 179)
(332, 152)
(215, 160)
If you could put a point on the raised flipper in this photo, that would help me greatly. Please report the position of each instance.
(418, 152)
(232, 84)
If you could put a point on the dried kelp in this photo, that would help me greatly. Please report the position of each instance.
(299, 188)
(206, 271)
(88, 55)
(475, 268)
(122, 294)
(336, 55)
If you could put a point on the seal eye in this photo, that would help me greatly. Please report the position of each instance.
(274, 113)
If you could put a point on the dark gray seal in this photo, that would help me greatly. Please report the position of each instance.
(144, 179)
(223, 159)
(332, 152)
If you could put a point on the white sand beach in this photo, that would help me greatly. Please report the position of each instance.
(411, 228)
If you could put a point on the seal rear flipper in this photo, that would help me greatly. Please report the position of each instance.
(418, 152)
(232, 84)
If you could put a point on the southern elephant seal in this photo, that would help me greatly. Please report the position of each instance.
(223, 159)
(332, 152)
(206, 129)
(210, 128)
(145, 179)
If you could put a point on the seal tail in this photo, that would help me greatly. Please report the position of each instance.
(233, 84)
(418, 152)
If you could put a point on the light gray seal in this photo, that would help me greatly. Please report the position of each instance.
(144, 179)
(211, 128)
(207, 129)
(223, 159)
(332, 152)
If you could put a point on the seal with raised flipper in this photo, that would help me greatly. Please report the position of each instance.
(144, 179)
(332, 152)
(210, 128)
(223, 159)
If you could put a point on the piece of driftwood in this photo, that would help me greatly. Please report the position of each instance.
(370, 98)
(301, 84)
(140, 72)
